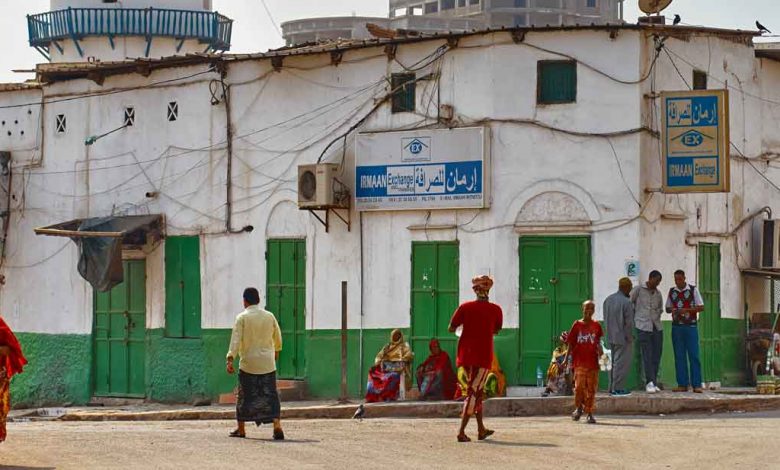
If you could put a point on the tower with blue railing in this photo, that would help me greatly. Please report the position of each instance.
(114, 30)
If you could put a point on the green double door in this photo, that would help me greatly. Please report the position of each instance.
(119, 335)
(711, 347)
(434, 296)
(555, 278)
(286, 298)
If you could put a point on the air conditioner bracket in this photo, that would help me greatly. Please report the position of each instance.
(335, 210)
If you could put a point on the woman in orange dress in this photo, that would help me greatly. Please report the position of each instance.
(11, 362)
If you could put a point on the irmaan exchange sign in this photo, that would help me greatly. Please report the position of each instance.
(428, 169)
(695, 141)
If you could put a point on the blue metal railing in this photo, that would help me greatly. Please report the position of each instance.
(74, 23)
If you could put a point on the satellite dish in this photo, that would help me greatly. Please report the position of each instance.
(653, 6)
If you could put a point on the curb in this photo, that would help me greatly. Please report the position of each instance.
(497, 407)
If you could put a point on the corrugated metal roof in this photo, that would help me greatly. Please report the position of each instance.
(52, 72)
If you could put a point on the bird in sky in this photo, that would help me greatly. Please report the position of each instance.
(677, 20)
(762, 28)
(359, 413)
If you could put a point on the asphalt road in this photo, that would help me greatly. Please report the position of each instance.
(718, 441)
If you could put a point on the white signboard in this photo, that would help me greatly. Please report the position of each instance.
(422, 169)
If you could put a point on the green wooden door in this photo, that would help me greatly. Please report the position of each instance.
(709, 320)
(434, 296)
(555, 278)
(286, 298)
(119, 335)
(182, 287)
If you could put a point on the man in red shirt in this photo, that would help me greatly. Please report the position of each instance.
(584, 350)
(480, 320)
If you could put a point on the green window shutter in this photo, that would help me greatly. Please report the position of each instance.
(557, 81)
(190, 251)
(182, 287)
(404, 87)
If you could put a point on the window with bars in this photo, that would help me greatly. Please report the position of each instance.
(61, 124)
(403, 85)
(129, 118)
(173, 111)
(699, 80)
(556, 81)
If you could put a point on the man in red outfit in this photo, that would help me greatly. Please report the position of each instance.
(585, 348)
(480, 320)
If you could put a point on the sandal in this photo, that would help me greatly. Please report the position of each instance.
(278, 435)
(484, 435)
(463, 438)
(237, 434)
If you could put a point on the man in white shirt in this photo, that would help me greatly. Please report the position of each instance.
(685, 303)
(256, 340)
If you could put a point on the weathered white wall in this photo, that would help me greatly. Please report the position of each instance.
(487, 77)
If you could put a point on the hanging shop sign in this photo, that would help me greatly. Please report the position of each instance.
(695, 141)
(423, 169)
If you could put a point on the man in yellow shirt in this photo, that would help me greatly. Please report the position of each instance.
(256, 340)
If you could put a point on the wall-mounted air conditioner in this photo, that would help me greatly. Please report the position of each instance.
(770, 244)
(319, 187)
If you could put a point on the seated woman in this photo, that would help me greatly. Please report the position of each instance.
(435, 377)
(391, 365)
(559, 380)
(495, 384)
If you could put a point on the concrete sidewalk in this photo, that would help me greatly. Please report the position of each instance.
(636, 404)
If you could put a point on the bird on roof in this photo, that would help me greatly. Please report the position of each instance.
(677, 20)
(359, 413)
(762, 28)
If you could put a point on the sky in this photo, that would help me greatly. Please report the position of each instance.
(253, 31)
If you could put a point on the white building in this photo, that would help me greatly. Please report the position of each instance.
(444, 16)
(572, 178)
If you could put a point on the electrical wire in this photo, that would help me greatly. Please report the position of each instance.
(620, 170)
(38, 263)
(271, 17)
(107, 92)
(677, 69)
(596, 69)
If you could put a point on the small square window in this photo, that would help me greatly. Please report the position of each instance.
(556, 81)
(699, 80)
(432, 7)
(61, 124)
(461, 3)
(521, 4)
(173, 111)
(447, 4)
(129, 116)
(591, 3)
(403, 85)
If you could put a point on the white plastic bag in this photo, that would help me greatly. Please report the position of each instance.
(605, 361)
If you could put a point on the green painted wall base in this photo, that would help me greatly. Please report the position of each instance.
(732, 355)
(59, 371)
(183, 370)
(323, 361)
(187, 369)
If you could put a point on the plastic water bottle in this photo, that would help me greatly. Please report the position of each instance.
(539, 376)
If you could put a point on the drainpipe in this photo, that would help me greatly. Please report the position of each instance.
(360, 354)
(229, 136)
(229, 174)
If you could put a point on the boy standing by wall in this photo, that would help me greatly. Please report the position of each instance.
(584, 349)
